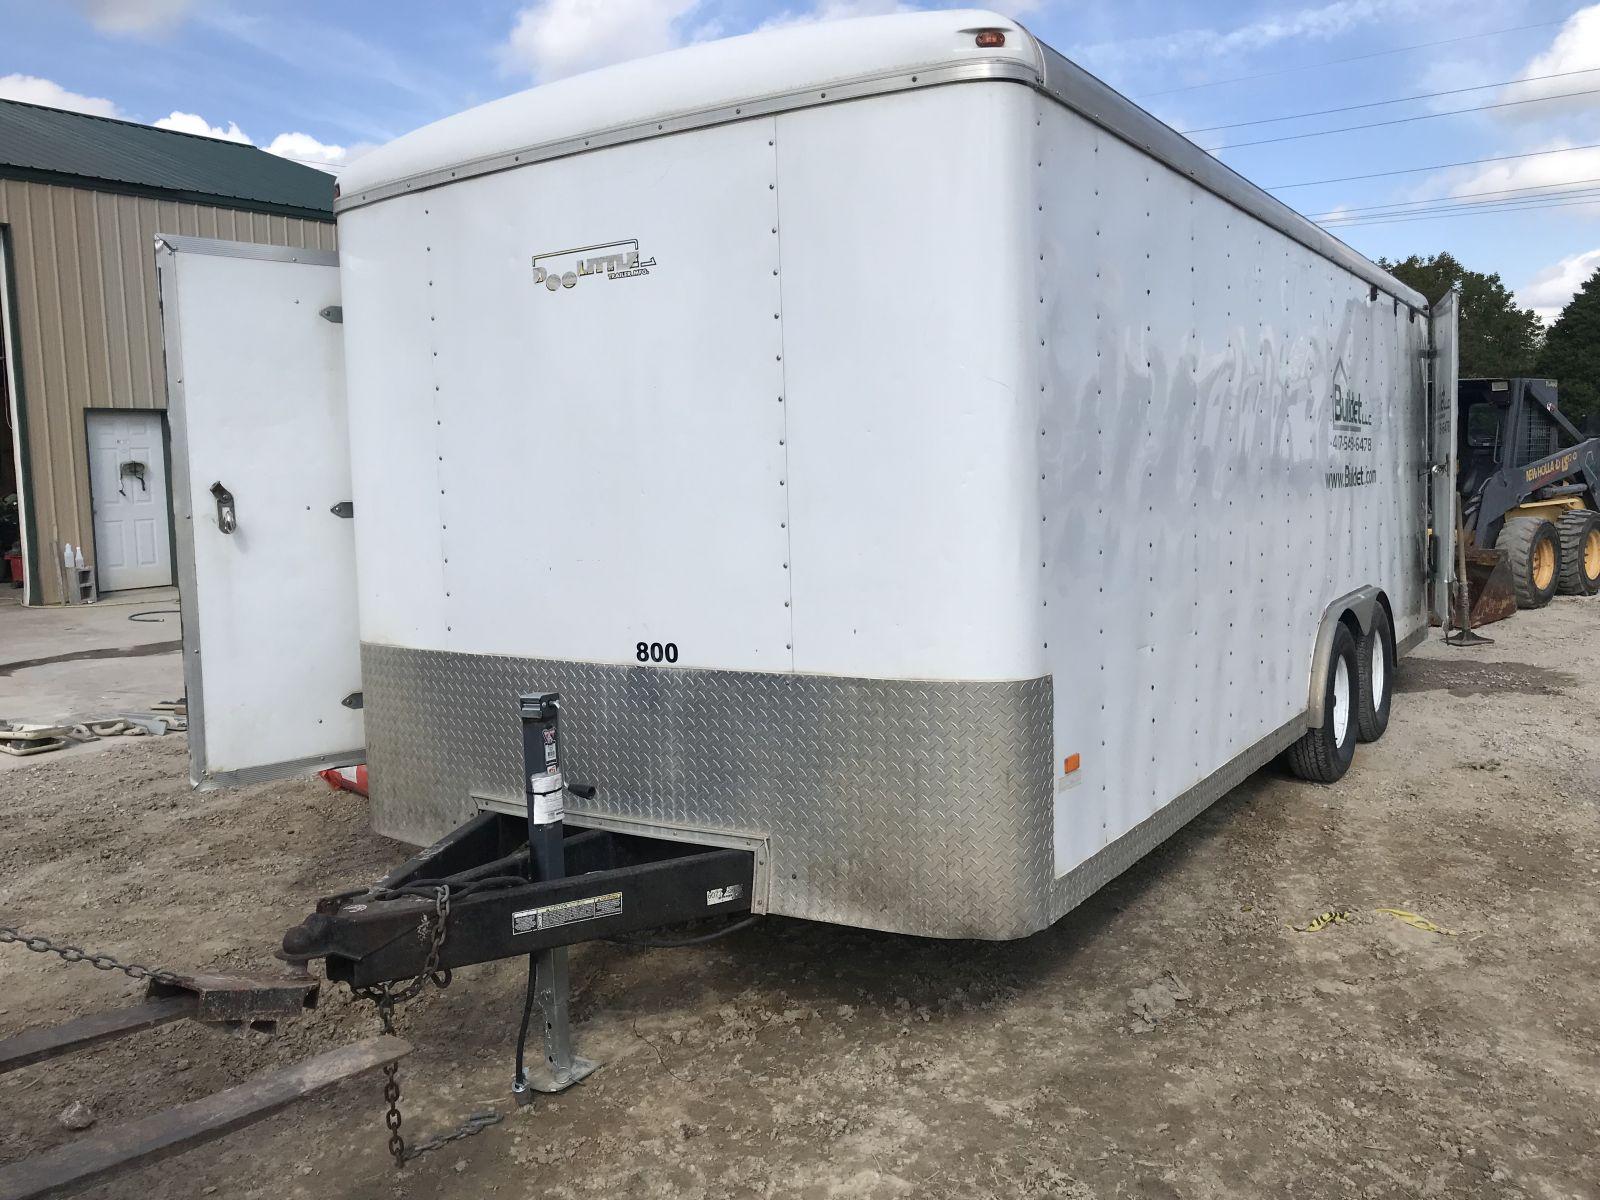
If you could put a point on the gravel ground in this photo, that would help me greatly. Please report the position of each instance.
(1173, 1037)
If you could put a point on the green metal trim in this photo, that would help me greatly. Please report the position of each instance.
(30, 538)
(211, 200)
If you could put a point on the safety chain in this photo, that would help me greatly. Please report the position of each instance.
(40, 944)
(385, 998)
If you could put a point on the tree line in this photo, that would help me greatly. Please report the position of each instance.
(1500, 339)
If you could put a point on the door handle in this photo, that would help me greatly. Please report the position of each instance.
(227, 518)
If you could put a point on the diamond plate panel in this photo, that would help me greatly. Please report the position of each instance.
(910, 806)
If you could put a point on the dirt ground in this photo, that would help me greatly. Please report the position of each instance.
(1369, 1059)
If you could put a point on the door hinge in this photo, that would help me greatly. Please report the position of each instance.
(334, 313)
(353, 700)
(345, 508)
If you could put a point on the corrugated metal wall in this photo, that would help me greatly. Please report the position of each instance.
(88, 327)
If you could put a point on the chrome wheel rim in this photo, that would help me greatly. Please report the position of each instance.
(1341, 700)
(1380, 668)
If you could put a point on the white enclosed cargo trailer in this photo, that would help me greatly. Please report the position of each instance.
(909, 460)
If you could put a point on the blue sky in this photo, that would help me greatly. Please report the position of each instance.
(323, 81)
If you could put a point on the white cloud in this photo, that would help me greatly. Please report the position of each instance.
(134, 16)
(1547, 292)
(552, 38)
(839, 10)
(184, 122)
(300, 147)
(304, 148)
(1545, 171)
(836, 10)
(32, 90)
(1576, 47)
(1321, 23)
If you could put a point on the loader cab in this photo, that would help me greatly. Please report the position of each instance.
(1505, 423)
(1483, 408)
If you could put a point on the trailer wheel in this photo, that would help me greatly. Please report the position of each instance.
(1374, 677)
(1533, 551)
(1324, 755)
(1580, 552)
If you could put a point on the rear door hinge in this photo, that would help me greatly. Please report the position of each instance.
(354, 700)
(345, 508)
(334, 313)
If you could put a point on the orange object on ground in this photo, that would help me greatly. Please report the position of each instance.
(347, 779)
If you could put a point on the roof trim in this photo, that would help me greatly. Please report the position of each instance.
(94, 183)
(182, 243)
(1101, 105)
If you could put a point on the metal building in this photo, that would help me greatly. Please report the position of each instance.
(82, 379)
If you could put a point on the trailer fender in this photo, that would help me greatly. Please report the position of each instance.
(1358, 604)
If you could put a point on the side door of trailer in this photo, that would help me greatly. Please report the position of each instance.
(261, 491)
(1444, 360)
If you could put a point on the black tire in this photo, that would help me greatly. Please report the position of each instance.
(1374, 677)
(1580, 552)
(1322, 755)
(1526, 541)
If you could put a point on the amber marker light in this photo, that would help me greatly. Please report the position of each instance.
(991, 39)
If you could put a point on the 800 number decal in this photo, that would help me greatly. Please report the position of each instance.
(656, 651)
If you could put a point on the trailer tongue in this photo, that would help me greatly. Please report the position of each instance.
(502, 886)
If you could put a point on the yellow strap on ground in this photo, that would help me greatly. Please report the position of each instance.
(1323, 920)
(1415, 921)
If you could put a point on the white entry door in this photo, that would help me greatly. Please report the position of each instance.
(266, 541)
(128, 487)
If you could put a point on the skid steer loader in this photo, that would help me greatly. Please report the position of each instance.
(1529, 491)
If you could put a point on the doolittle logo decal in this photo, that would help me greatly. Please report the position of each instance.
(614, 260)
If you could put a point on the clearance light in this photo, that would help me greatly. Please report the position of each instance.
(991, 39)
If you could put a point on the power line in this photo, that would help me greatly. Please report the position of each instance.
(1443, 215)
(1537, 187)
(1509, 203)
(1323, 112)
(1334, 62)
(310, 162)
(1452, 112)
(1470, 162)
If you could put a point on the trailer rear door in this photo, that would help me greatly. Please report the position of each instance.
(1444, 343)
(261, 484)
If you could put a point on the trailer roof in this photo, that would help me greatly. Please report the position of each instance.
(798, 66)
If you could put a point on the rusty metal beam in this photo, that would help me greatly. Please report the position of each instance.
(37, 1045)
(82, 1161)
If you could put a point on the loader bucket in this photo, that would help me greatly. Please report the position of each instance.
(1489, 591)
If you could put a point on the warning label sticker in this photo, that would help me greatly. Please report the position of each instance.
(566, 913)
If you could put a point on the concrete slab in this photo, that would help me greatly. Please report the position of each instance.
(70, 663)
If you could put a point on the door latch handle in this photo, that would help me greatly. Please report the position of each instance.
(227, 518)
